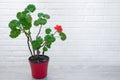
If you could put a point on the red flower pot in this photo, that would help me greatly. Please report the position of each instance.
(39, 66)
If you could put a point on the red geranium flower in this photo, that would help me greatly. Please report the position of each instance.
(58, 28)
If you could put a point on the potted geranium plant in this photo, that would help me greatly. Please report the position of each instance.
(38, 45)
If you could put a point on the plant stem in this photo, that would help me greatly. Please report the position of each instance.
(38, 52)
(43, 53)
(29, 45)
(39, 31)
(43, 44)
(29, 39)
(31, 42)
(34, 52)
(54, 32)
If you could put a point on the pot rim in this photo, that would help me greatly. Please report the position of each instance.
(47, 59)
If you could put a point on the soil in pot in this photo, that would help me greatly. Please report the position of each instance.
(39, 59)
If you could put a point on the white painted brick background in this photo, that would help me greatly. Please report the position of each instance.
(92, 28)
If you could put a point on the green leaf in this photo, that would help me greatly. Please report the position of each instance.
(26, 10)
(14, 24)
(25, 18)
(48, 45)
(19, 15)
(15, 33)
(63, 36)
(42, 21)
(40, 15)
(53, 39)
(27, 26)
(22, 18)
(36, 22)
(35, 45)
(31, 7)
(46, 16)
(26, 21)
(40, 40)
(45, 49)
(48, 38)
(48, 30)
(29, 18)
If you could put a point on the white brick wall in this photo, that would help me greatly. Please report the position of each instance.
(92, 27)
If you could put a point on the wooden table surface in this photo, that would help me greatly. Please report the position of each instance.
(21, 71)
